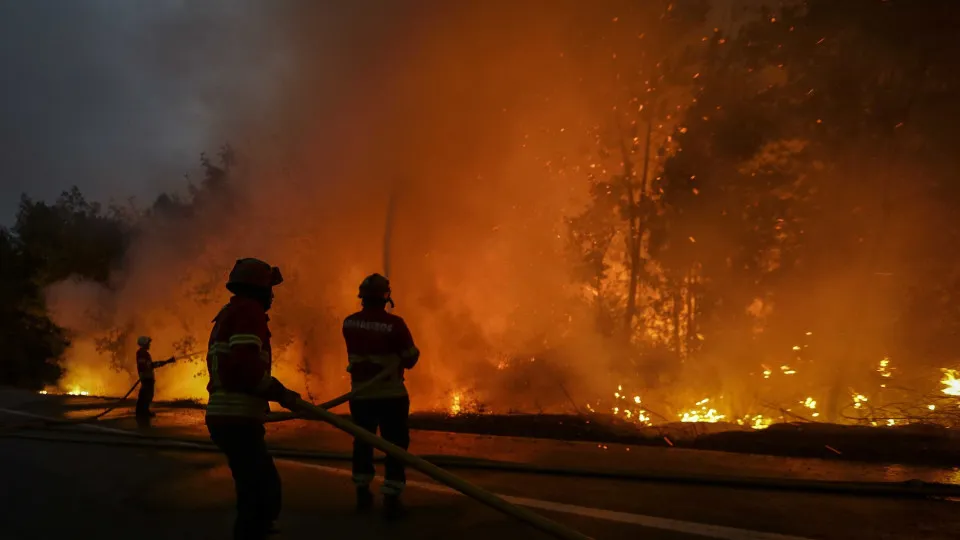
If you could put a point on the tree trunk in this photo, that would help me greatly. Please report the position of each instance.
(601, 319)
(691, 331)
(677, 312)
(633, 242)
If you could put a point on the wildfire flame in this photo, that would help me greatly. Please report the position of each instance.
(633, 413)
(702, 413)
(77, 391)
(951, 382)
(811, 404)
(884, 368)
(858, 399)
(72, 391)
(455, 407)
(755, 422)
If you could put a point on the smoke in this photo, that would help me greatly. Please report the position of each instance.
(117, 97)
(457, 110)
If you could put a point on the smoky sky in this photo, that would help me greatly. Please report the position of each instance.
(120, 97)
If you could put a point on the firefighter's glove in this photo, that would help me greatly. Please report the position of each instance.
(288, 399)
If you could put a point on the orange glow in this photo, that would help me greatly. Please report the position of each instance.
(950, 382)
(491, 142)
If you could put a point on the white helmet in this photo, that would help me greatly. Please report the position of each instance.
(143, 341)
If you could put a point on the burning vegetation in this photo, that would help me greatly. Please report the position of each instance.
(653, 211)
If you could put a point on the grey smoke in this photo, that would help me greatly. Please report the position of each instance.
(119, 97)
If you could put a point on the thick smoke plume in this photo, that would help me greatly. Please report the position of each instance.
(445, 105)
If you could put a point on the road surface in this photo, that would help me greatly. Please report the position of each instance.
(55, 489)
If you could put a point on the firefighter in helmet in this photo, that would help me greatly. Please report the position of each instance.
(145, 367)
(376, 341)
(241, 385)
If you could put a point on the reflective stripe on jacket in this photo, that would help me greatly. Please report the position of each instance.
(239, 361)
(377, 341)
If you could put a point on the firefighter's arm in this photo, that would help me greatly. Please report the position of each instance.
(162, 363)
(346, 340)
(403, 341)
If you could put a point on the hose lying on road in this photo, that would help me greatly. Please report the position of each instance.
(911, 489)
(108, 410)
(548, 526)
(272, 417)
(72, 421)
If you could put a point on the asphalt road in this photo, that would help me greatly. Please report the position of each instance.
(56, 489)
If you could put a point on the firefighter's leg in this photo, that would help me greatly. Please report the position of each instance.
(273, 489)
(145, 398)
(394, 427)
(244, 447)
(364, 414)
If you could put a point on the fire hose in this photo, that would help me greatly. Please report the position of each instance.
(548, 526)
(910, 489)
(337, 401)
(533, 519)
(537, 521)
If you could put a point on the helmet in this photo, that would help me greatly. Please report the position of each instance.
(253, 273)
(375, 287)
(143, 341)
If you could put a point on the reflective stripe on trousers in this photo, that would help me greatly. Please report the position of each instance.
(389, 487)
(392, 487)
(391, 417)
(362, 480)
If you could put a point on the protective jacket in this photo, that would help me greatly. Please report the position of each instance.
(378, 340)
(239, 362)
(145, 365)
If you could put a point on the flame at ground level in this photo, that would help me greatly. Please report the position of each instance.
(951, 382)
(702, 413)
(629, 402)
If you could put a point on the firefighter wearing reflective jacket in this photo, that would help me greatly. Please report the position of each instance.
(145, 366)
(241, 385)
(376, 341)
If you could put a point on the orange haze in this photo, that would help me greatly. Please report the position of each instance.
(466, 112)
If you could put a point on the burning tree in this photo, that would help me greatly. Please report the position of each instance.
(615, 238)
(778, 220)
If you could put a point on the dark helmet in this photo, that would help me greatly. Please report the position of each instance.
(253, 273)
(375, 287)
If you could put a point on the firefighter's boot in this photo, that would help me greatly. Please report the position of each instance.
(392, 507)
(364, 499)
